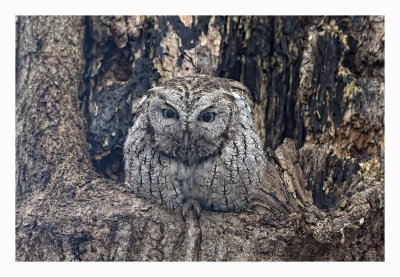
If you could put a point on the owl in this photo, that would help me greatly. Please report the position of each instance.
(193, 144)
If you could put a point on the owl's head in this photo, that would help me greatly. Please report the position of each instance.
(191, 118)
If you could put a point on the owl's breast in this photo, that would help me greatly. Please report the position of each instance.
(196, 179)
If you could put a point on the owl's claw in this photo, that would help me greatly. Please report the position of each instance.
(191, 203)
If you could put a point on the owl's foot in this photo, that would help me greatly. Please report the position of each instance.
(191, 203)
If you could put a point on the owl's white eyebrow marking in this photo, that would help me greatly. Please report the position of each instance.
(142, 100)
(240, 101)
(137, 106)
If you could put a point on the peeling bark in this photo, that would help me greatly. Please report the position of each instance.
(317, 80)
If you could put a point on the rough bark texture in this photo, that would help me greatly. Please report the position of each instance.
(316, 80)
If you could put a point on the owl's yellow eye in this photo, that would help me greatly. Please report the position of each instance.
(168, 113)
(207, 117)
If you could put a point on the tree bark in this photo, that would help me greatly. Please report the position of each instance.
(318, 86)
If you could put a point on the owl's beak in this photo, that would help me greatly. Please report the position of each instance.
(186, 138)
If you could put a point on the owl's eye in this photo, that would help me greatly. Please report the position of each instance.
(207, 117)
(168, 113)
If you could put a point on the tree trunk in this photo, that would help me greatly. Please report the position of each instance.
(318, 85)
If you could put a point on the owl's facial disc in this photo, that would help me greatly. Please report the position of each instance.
(189, 132)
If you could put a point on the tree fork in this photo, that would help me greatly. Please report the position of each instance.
(65, 210)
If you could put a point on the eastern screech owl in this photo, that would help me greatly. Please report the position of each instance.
(194, 144)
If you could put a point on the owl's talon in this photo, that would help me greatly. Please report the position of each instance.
(191, 203)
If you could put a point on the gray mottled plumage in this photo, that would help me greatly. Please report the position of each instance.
(193, 142)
